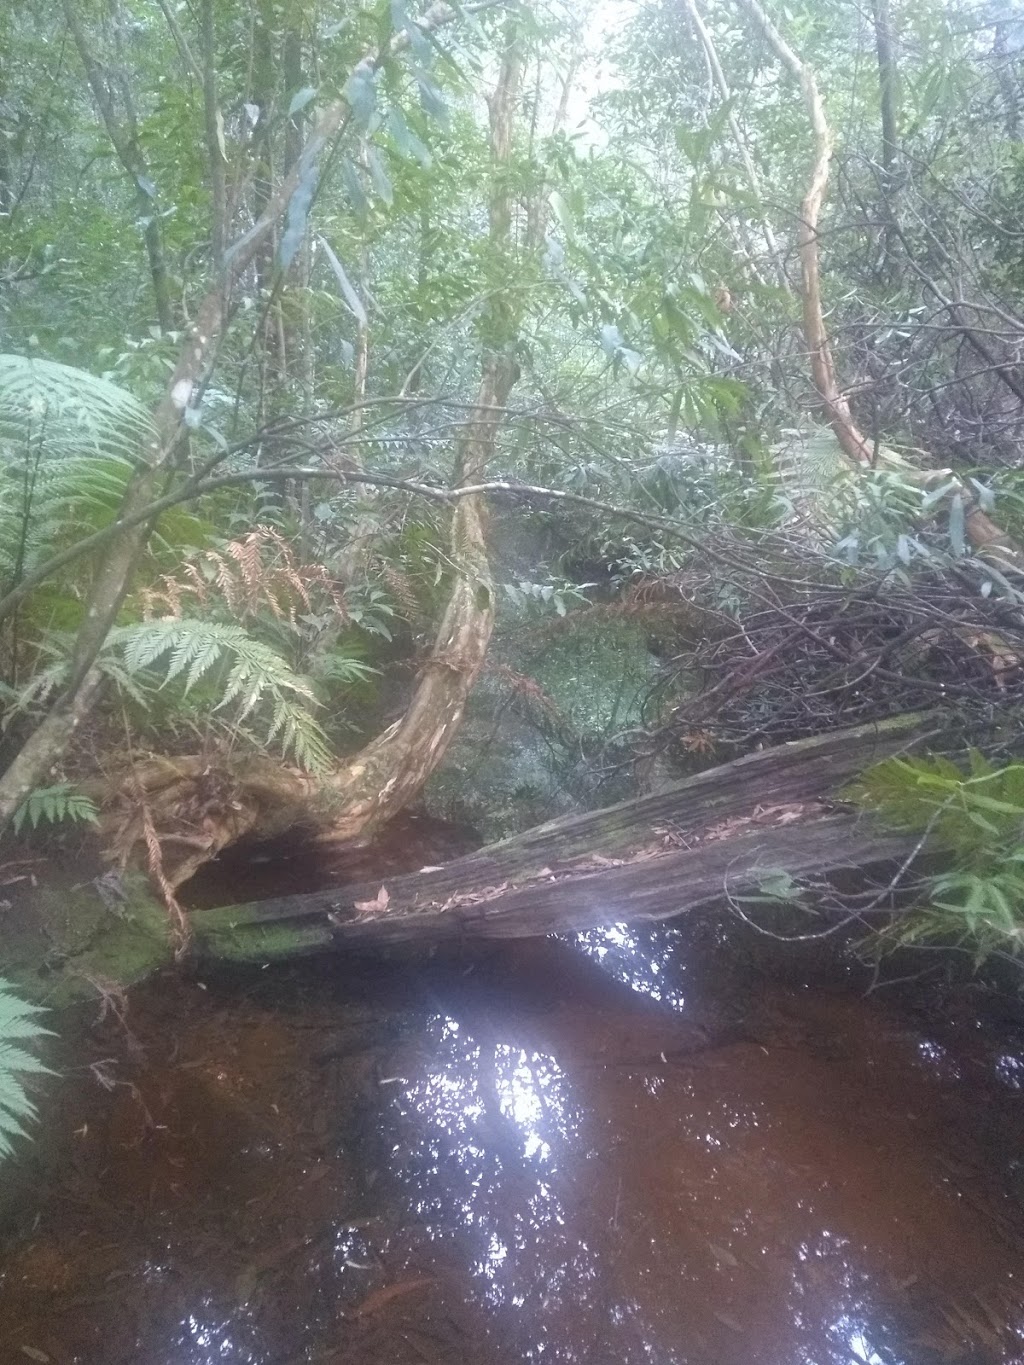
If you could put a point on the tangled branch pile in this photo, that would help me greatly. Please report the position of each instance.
(788, 650)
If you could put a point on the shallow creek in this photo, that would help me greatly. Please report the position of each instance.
(635, 1146)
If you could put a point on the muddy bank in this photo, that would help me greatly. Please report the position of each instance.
(628, 1148)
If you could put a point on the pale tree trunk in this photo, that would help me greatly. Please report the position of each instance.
(353, 561)
(215, 145)
(888, 77)
(124, 138)
(985, 536)
(750, 170)
(48, 742)
(370, 788)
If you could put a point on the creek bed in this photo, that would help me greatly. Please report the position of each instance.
(653, 1146)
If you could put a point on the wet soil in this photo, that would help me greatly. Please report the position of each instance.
(624, 1148)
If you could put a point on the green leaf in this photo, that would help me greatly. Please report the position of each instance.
(407, 142)
(54, 805)
(352, 299)
(18, 1024)
(298, 213)
(361, 93)
(301, 98)
(379, 176)
(431, 100)
(957, 525)
(354, 188)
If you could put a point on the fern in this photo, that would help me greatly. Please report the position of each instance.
(69, 410)
(68, 445)
(18, 1026)
(54, 804)
(257, 678)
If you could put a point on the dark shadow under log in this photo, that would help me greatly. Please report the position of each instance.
(724, 832)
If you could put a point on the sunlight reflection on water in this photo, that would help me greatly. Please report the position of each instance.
(645, 960)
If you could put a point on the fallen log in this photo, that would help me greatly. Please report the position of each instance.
(729, 831)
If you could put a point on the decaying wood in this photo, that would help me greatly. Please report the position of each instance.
(722, 832)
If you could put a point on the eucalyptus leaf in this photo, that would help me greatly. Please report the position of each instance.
(301, 98)
(348, 292)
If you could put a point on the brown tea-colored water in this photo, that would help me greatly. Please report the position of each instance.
(634, 1147)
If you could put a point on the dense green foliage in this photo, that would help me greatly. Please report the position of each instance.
(315, 204)
(974, 822)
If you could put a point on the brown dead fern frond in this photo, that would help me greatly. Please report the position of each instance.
(526, 689)
(257, 571)
(402, 587)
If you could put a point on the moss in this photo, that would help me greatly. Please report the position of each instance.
(258, 943)
(58, 941)
(535, 740)
(597, 674)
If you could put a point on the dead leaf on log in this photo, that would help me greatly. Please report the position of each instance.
(764, 815)
(379, 902)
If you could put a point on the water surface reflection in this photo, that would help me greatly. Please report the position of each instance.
(658, 1192)
(624, 1150)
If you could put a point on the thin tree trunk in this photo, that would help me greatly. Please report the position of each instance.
(753, 179)
(215, 148)
(124, 139)
(888, 94)
(1006, 79)
(48, 742)
(986, 537)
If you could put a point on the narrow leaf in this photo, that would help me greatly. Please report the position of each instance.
(352, 299)
(301, 98)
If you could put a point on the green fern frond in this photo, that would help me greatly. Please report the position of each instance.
(68, 445)
(18, 1024)
(257, 678)
(53, 805)
(975, 819)
(69, 410)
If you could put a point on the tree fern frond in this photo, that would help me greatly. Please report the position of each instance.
(258, 677)
(39, 688)
(68, 445)
(18, 1024)
(69, 410)
(52, 805)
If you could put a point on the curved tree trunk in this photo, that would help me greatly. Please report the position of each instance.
(388, 773)
(986, 537)
(47, 744)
